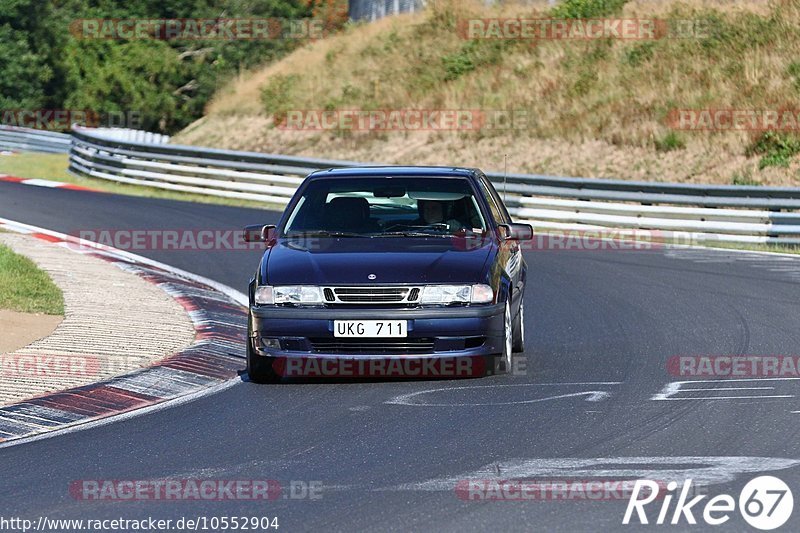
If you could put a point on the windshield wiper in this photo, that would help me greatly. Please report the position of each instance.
(411, 234)
(324, 233)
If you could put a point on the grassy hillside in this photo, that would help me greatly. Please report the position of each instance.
(598, 107)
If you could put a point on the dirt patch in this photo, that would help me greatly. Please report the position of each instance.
(21, 329)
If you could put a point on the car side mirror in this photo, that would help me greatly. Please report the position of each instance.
(516, 232)
(259, 233)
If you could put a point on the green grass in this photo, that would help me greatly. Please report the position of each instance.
(584, 9)
(744, 178)
(29, 165)
(775, 149)
(670, 141)
(26, 288)
(54, 167)
(276, 94)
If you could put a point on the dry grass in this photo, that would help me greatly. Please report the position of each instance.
(599, 107)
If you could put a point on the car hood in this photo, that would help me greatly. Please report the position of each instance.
(345, 261)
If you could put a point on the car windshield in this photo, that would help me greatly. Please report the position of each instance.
(387, 207)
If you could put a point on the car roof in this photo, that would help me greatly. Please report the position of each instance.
(406, 171)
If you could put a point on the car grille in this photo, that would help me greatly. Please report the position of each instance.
(371, 295)
(373, 346)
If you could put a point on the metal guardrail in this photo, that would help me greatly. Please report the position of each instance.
(127, 134)
(728, 213)
(30, 140)
(243, 175)
(33, 140)
(370, 10)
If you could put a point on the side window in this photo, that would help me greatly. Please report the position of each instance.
(495, 205)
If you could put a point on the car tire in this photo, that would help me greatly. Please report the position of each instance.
(260, 369)
(506, 360)
(519, 328)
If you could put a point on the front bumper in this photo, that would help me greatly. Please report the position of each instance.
(435, 332)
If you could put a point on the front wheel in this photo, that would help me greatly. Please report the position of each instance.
(519, 328)
(504, 363)
(260, 369)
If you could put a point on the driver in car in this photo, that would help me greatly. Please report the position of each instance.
(433, 212)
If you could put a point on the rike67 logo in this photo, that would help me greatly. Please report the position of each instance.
(765, 503)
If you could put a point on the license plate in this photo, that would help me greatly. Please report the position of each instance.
(370, 328)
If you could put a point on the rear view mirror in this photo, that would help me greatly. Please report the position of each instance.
(517, 232)
(259, 233)
(389, 192)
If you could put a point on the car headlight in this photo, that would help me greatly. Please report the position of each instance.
(448, 294)
(292, 294)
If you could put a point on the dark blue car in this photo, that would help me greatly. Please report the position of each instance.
(388, 271)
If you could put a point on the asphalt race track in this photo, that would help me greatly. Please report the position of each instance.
(601, 327)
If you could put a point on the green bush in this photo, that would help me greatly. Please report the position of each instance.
(639, 53)
(776, 149)
(165, 84)
(472, 55)
(670, 141)
(584, 9)
(276, 95)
